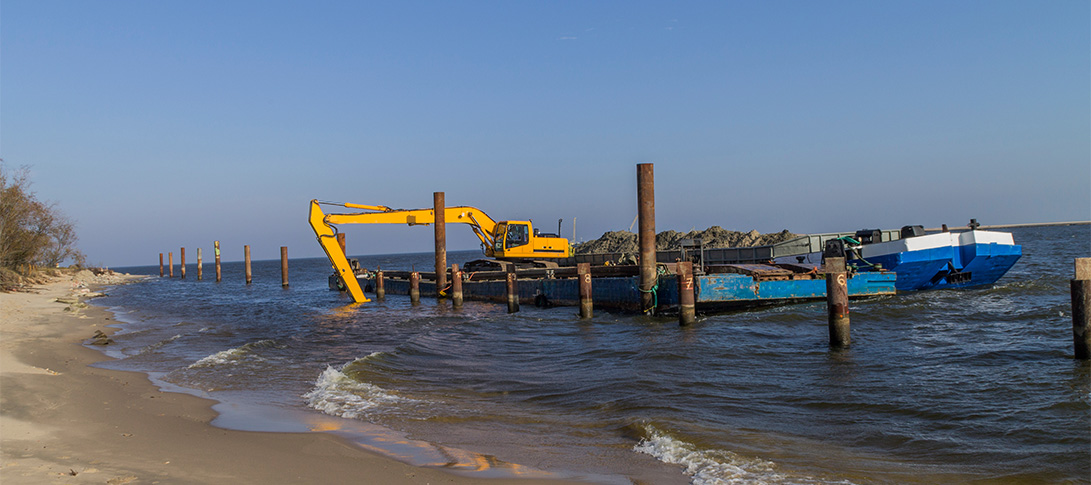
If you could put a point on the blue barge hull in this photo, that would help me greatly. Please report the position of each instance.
(714, 292)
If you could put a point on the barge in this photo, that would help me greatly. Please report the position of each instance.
(615, 287)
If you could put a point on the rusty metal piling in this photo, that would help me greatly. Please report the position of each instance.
(183, 263)
(414, 287)
(583, 273)
(246, 258)
(512, 290)
(200, 265)
(380, 290)
(440, 227)
(160, 265)
(1081, 309)
(687, 310)
(219, 275)
(837, 301)
(284, 266)
(170, 263)
(456, 286)
(645, 197)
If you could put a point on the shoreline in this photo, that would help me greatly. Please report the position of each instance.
(63, 419)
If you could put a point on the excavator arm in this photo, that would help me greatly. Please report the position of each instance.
(477, 219)
(324, 226)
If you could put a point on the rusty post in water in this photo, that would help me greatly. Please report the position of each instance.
(645, 198)
(380, 290)
(583, 273)
(837, 301)
(1081, 309)
(513, 290)
(219, 275)
(284, 266)
(160, 265)
(183, 263)
(200, 265)
(440, 227)
(687, 310)
(414, 287)
(456, 286)
(170, 263)
(246, 258)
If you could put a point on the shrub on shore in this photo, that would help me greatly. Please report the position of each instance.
(33, 235)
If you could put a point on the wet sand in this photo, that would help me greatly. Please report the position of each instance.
(63, 421)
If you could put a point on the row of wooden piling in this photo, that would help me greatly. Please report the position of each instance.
(219, 271)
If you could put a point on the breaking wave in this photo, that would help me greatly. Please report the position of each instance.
(235, 355)
(337, 394)
(716, 467)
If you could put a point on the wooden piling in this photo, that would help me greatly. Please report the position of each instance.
(837, 301)
(512, 290)
(583, 273)
(182, 266)
(687, 309)
(456, 286)
(1081, 309)
(414, 287)
(284, 266)
(380, 290)
(170, 263)
(160, 265)
(219, 275)
(200, 265)
(246, 258)
(341, 241)
(440, 226)
(645, 198)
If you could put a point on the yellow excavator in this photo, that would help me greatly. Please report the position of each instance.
(507, 242)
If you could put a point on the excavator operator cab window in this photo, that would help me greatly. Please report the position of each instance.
(518, 235)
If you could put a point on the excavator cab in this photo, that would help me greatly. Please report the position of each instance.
(516, 235)
(510, 235)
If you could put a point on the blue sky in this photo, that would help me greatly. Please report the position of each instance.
(157, 125)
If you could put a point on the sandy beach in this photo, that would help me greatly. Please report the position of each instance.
(63, 421)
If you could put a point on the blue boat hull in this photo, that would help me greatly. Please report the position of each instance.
(946, 260)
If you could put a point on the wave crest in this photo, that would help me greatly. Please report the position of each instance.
(233, 356)
(713, 467)
(337, 394)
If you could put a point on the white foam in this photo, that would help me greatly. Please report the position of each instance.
(337, 394)
(160, 343)
(232, 356)
(714, 467)
(222, 357)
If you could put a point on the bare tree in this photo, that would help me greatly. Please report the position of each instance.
(31, 232)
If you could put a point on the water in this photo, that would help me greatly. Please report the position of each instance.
(942, 386)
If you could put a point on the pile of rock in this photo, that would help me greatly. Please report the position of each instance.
(713, 237)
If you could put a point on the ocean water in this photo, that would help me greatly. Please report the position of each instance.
(947, 386)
